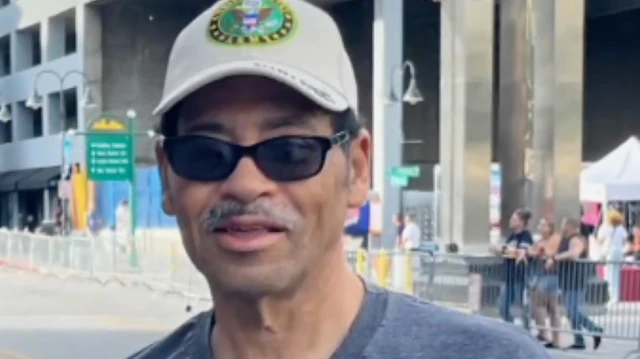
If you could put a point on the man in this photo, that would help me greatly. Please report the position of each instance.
(573, 275)
(411, 234)
(514, 252)
(261, 157)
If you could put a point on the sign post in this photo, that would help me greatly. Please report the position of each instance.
(111, 157)
(400, 177)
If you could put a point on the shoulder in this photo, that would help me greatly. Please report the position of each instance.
(413, 328)
(180, 343)
(527, 236)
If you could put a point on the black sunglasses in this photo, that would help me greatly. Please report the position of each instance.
(283, 159)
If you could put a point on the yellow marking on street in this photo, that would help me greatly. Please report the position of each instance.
(4, 354)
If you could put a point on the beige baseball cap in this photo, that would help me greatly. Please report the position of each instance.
(290, 41)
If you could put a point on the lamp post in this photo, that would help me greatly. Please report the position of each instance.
(412, 96)
(5, 114)
(34, 102)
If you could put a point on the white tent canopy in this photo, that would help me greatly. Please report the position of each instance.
(615, 177)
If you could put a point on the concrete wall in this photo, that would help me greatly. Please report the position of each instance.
(611, 85)
(136, 41)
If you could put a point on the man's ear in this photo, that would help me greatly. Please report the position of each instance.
(359, 170)
(163, 168)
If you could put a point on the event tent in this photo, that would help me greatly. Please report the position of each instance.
(615, 177)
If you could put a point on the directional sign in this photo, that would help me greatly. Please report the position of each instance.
(109, 150)
(399, 181)
(406, 171)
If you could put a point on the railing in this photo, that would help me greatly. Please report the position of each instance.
(470, 283)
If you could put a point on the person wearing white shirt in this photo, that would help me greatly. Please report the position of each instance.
(612, 238)
(411, 234)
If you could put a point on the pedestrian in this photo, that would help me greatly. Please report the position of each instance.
(514, 252)
(545, 290)
(411, 234)
(612, 238)
(574, 271)
(261, 155)
(398, 223)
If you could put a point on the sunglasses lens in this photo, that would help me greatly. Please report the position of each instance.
(201, 158)
(291, 158)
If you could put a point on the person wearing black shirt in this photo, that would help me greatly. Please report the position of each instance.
(573, 274)
(514, 252)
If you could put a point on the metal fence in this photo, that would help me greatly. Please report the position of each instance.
(474, 284)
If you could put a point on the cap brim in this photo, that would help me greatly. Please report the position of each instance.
(313, 88)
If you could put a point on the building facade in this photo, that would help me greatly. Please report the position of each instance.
(121, 47)
(41, 53)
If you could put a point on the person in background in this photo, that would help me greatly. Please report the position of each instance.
(514, 252)
(398, 222)
(612, 238)
(123, 225)
(411, 234)
(634, 243)
(545, 292)
(573, 276)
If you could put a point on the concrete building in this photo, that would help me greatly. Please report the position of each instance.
(470, 113)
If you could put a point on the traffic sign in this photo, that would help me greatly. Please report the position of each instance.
(406, 171)
(110, 150)
(399, 181)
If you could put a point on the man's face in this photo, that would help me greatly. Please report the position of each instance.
(515, 222)
(280, 232)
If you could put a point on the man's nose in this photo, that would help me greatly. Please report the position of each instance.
(247, 182)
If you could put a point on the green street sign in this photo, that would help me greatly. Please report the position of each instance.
(406, 171)
(399, 181)
(110, 150)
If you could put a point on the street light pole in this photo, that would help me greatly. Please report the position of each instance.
(35, 102)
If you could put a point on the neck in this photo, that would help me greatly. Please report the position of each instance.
(312, 322)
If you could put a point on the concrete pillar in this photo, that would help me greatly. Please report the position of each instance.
(558, 94)
(466, 85)
(13, 51)
(543, 109)
(568, 93)
(14, 210)
(387, 118)
(46, 201)
(513, 113)
(89, 35)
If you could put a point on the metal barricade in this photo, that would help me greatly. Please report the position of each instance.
(474, 284)
(161, 265)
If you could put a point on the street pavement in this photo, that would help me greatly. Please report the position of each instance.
(50, 318)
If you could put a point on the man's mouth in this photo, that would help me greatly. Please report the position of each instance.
(245, 234)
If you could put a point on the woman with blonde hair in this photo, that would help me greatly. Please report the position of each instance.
(612, 238)
(545, 289)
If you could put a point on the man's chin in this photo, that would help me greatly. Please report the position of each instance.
(254, 282)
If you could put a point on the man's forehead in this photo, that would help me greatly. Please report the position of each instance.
(245, 90)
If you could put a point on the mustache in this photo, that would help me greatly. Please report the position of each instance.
(283, 216)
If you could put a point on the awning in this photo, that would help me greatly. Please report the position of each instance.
(36, 178)
(40, 178)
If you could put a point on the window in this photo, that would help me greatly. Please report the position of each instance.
(62, 35)
(5, 55)
(70, 109)
(28, 48)
(36, 129)
(6, 132)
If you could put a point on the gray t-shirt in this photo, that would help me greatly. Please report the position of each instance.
(389, 326)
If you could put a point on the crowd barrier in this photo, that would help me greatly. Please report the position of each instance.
(468, 283)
